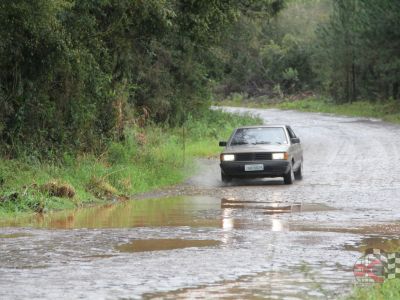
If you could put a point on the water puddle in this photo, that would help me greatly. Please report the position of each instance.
(175, 211)
(274, 207)
(296, 285)
(387, 244)
(164, 244)
(99, 256)
(194, 212)
(14, 235)
(387, 229)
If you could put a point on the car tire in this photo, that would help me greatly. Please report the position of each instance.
(288, 178)
(225, 178)
(298, 174)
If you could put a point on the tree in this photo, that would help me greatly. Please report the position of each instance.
(358, 50)
(74, 72)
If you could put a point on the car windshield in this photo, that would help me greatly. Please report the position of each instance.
(260, 135)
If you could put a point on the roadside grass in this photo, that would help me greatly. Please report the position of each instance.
(389, 290)
(149, 158)
(388, 110)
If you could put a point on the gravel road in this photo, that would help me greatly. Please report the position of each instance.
(349, 196)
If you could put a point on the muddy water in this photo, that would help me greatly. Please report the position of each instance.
(14, 235)
(387, 244)
(164, 244)
(281, 242)
(172, 248)
(173, 211)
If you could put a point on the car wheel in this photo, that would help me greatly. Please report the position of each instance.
(225, 178)
(288, 178)
(298, 175)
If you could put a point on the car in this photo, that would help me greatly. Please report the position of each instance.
(262, 151)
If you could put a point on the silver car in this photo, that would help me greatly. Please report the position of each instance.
(262, 151)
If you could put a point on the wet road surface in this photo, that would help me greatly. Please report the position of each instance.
(186, 242)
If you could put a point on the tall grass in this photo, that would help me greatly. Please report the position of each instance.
(149, 158)
(389, 290)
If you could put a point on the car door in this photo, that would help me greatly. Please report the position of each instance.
(295, 147)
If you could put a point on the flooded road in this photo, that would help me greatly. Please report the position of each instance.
(202, 239)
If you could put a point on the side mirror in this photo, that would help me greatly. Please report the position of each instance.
(295, 140)
(222, 144)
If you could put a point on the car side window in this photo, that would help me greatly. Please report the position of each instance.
(291, 133)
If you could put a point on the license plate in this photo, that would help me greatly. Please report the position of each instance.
(256, 167)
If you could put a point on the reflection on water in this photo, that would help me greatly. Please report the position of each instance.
(279, 225)
(176, 211)
(279, 207)
(223, 242)
(293, 285)
(14, 235)
(200, 211)
(389, 245)
(228, 222)
(164, 244)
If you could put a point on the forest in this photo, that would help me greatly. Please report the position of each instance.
(76, 74)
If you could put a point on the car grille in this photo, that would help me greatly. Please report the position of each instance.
(253, 156)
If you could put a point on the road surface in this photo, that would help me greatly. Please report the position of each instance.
(181, 243)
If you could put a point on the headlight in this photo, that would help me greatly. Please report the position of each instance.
(282, 155)
(227, 157)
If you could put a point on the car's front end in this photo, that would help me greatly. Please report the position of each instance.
(262, 151)
(251, 163)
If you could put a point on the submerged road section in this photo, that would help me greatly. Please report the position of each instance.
(203, 239)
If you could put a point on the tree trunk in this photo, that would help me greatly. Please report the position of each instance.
(396, 90)
(353, 77)
(348, 98)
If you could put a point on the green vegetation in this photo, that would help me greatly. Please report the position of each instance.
(89, 87)
(75, 74)
(97, 96)
(103, 99)
(126, 168)
(356, 51)
(273, 57)
(386, 110)
(389, 290)
(345, 50)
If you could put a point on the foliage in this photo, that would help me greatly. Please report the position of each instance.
(358, 55)
(124, 169)
(387, 110)
(272, 56)
(344, 49)
(75, 73)
(389, 290)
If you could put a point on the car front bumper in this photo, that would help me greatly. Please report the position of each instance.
(272, 168)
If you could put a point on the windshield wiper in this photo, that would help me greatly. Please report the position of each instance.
(262, 143)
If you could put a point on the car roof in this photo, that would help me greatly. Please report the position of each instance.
(263, 126)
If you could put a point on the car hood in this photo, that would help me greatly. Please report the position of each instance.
(256, 148)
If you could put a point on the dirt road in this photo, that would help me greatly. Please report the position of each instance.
(182, 243)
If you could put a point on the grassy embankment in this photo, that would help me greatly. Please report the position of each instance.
(150, 158)
(386, 110)
(389, 290)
